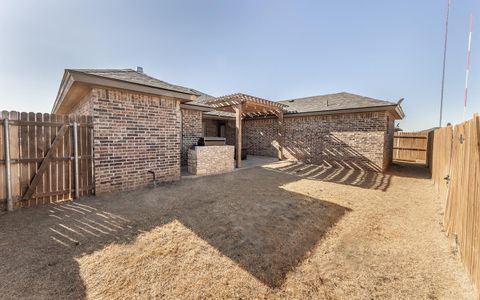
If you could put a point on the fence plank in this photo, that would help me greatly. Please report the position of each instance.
(48, 172)
(40, 152)
(410, 146)
(57, 142)
(31, 134)
(54, 165)
(32, 152)
(14, 155)
(24, 169)
(456, 157)
(3, 189)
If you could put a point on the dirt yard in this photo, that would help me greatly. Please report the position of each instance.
(282, 231)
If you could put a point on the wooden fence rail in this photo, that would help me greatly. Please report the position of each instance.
(38, 167)
(410, 146)
(455, 172)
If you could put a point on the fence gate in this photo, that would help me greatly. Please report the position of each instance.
(411, 147)
(38, 158)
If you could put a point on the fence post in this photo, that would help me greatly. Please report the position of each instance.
(8, 171)
(75, 158)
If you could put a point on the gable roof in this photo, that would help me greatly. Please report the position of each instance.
(76, 83)
(330, 102)
(132, 76)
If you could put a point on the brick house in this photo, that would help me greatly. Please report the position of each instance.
(137, 124)
(144, 124)
(336, 129)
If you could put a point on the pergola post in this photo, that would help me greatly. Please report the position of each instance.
(238, 129)
(251, 107)
(281, 137)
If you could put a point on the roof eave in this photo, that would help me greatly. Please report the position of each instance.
(65, 85)
(71, 77)
(121, 84)
(395, 109)
(400, 114)
(217, 117)
(191, 106)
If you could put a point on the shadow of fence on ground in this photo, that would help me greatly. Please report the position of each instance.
(348, 173)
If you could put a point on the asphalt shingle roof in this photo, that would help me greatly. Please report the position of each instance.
(132, 76)
(329, 102)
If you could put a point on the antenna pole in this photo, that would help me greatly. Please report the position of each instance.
(468, 71)
(444, 62)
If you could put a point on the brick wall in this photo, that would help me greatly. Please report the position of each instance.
(84, 107)
(355, 139)
(133, 133)
(261, 137)
(191, 131)
(209, 160)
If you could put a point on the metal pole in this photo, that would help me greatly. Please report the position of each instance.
(444, 61)
(75, 158)
(8, 166)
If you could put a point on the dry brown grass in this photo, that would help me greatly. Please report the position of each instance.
(257, 233)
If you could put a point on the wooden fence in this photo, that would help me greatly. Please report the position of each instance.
(37, 158)
(455, 172)
(410, 146)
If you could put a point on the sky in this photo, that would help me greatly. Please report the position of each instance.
(384, 49)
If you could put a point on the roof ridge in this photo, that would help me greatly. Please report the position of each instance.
(172, 84)
(332, 94)
(100, 70)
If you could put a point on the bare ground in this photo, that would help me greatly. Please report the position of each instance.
(282, 231)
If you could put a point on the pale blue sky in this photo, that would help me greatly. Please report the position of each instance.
(272, 49)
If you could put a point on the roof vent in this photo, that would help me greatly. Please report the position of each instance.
(140, 70)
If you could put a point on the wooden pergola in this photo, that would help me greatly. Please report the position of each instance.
(246, 106)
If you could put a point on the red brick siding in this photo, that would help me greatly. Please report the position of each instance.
(134, 133)
(84, 107)
(355, 139)
(261, 137)
(191, 131)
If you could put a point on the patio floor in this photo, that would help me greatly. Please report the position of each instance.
(250, 162)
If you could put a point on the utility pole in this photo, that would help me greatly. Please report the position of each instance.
(444, 61)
